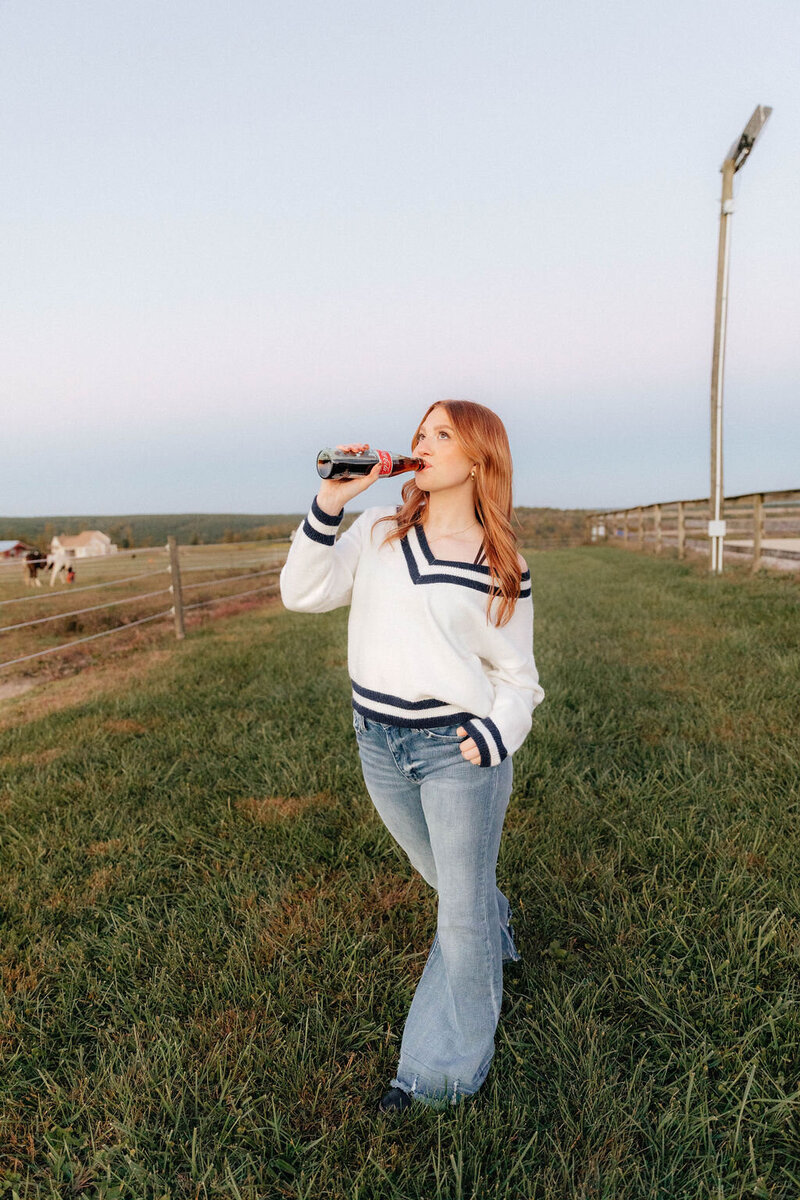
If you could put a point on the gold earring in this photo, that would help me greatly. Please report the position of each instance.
(473, 472)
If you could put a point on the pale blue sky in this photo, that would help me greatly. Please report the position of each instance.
(236, 232)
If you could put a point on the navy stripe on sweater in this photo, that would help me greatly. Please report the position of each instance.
(424, 577)
(324, 517)
(495, 732)
(326, 521)
(480, 742)
(396, 701)
(372, 714)
(367, 702)
(323, 538)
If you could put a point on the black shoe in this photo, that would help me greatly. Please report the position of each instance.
(395, 1101)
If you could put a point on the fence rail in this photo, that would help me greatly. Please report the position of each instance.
(761, 526)
(89, 587)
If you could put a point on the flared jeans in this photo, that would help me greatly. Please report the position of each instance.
(447, 815)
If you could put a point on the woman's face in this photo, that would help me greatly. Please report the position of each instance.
(447, 464)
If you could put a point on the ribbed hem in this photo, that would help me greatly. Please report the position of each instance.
(487, 738)
(410, 714)
(320, 526)
(388, 709)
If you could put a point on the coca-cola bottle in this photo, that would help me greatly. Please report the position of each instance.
(337, 464)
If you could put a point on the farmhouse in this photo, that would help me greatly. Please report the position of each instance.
(91, 543)
(14, 549)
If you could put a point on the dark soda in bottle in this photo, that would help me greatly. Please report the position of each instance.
(337, 464)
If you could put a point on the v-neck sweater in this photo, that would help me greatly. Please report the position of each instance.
(421, 652)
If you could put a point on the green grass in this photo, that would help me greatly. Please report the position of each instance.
(210, 941)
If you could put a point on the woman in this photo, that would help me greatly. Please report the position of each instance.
(444, 683)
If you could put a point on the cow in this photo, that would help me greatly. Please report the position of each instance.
(33, 563)
(58, 562)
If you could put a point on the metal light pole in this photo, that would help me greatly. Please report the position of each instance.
(735, 160)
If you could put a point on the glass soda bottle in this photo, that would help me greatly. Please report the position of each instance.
(337, 464)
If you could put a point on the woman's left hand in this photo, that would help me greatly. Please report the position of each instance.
(468, 748)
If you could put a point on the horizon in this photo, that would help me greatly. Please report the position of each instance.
(229, 513)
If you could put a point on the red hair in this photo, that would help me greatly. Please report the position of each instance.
(483, 437)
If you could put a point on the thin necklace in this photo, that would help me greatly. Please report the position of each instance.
(452, 532)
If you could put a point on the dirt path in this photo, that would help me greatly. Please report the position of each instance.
(15, 687)
(17, 708)
(124, 667)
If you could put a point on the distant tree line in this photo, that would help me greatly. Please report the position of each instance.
(550, 526)
(142, 530)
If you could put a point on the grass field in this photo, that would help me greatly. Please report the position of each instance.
(210, 941)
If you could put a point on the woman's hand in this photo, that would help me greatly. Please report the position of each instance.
(468, 748)
(335, 493)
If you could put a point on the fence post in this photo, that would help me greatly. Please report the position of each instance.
(641, 528)
(657, 521)
(681, 530)
(175, 587)
(625, 529)
(758, 529)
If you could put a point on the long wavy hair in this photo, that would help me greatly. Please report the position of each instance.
(483, 437)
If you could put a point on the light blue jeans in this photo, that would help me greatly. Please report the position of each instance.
(447, 815)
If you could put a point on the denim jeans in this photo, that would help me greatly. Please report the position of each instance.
(447, 815)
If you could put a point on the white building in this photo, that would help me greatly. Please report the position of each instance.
(89, 544)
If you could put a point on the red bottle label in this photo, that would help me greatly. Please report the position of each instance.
(385, 461)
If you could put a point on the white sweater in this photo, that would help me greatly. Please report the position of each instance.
(420, 650)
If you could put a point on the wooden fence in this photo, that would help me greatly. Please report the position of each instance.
(33, 626)
(763, 527)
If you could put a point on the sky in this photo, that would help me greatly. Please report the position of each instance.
(236, 232)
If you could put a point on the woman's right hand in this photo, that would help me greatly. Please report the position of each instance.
(335, 493)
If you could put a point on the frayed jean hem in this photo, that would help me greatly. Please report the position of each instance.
(510, 952)
(447, 1095)
(440, 1099)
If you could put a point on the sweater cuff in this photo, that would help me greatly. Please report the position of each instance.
(487, 738)
(320, 526)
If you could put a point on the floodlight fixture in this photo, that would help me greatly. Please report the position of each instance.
(740, 150)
